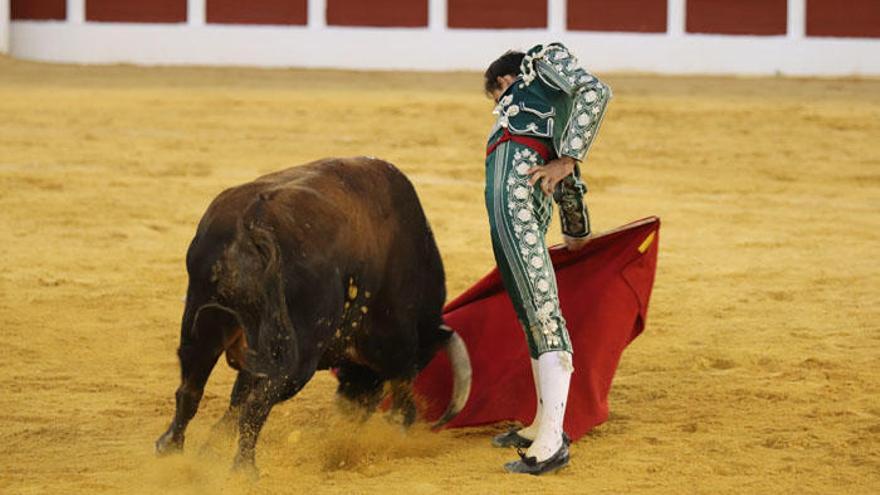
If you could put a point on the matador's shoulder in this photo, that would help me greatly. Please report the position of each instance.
(556, 66)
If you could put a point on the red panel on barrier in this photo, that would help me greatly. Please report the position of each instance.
(642, 16)
(136, 10)
(286, 12)
(382, 13)
(756, 17)
(497, 14)
(38, 10)
(854, 18)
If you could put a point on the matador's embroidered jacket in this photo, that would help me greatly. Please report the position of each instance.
(556, 100)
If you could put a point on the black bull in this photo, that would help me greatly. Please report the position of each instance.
(326, 265)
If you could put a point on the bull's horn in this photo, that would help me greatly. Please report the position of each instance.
(461, 377)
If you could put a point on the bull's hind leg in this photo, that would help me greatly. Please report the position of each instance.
(200, 347)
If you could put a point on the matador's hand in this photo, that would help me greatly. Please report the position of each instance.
(551, 173)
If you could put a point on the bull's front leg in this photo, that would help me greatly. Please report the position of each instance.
(264, 394)
(228, 424)
(196, 366)
(253, 416)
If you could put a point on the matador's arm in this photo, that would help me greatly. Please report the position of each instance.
(557, 68)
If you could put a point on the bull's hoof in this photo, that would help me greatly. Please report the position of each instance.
(246, 468)
(167, 444)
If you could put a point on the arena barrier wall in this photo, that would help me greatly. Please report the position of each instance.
(749, 37)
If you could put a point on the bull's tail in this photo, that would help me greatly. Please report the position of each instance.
(272, 343)
(460, 362)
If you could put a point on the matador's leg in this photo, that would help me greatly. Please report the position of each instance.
(519, 215)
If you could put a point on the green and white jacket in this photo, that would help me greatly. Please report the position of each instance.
(557, 100)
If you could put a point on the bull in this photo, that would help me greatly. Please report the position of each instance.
(331, 264)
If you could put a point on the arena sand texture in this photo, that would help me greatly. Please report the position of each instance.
(759, 371)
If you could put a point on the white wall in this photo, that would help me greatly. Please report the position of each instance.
(436, 47)
(4, 26)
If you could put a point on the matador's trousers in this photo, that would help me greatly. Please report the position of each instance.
(519, 215)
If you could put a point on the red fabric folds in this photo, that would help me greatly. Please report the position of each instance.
(604, 291)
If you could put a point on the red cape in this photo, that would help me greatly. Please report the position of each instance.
(603, 291)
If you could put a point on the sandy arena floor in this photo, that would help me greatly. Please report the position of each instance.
(759, 371)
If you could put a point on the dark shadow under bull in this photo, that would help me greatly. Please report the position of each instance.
(331, 264)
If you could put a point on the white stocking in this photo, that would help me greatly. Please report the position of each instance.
(531, 431)
(554, 376)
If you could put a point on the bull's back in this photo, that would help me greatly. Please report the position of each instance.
(355, 205)
(359, 184)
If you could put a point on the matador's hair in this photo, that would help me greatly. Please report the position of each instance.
(505, 65)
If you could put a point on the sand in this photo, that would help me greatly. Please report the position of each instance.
(759, 370)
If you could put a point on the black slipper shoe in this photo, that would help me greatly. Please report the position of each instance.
(511, 438)
(530, 465)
